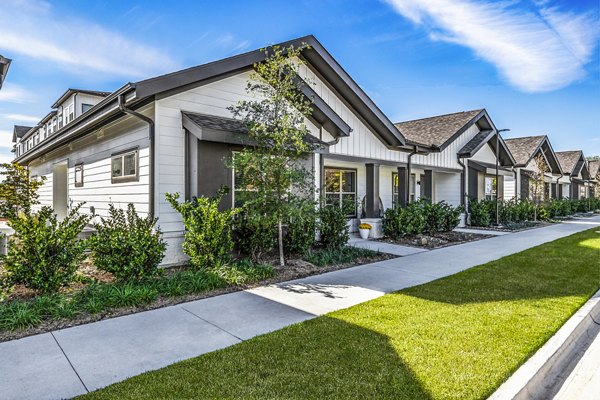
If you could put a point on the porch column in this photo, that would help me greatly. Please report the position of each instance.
(402, 186)
(500, 187)
(473, 189)
(427, 185)
(372, 196)
(559, 191)
(524, 189)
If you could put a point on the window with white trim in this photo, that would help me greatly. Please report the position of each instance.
(242, 192)
(340, 189)
(124, 167)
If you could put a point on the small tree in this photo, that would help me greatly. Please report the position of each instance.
(537, 183)
(18, 192)
(272, 163)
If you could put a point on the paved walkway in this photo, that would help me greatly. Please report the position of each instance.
(383, 247)
(72, 361)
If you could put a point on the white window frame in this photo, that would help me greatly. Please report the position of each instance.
(341, 193)
(125, 178)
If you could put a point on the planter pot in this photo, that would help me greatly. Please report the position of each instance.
(364, 233)
(376, 228)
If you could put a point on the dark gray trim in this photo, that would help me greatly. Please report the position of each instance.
(505, 154)
(488, 169)
(473, 186)
(372, 191)
(316, 55)
(428, 184)
(403, 189)
(4, 66)
(71, 91)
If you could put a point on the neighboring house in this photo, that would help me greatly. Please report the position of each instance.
(4, 65)
(525, 151)
(594, 169)
(576, 174)
(454, 158)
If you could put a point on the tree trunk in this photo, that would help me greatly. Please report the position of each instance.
(280, 239)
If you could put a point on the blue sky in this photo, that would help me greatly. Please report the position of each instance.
(534, 65)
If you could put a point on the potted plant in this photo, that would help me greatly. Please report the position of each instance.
(364, 230)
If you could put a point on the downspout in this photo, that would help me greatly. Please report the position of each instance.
(463, 184)
(408, 173)
(150, 123)
(558, 185)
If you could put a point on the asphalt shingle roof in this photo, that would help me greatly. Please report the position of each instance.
(435, 131)
(21, 130)
(523, 148)
(568, 160)
(594, 167)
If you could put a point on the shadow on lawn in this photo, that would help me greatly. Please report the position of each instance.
(318, 359)
(566, 267)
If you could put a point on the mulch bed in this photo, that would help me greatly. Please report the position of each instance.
(517, 227)
(438, 240)
(295, 269)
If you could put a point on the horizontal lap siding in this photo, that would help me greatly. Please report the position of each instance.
(44, 192)
(447, 187)
(94, 152)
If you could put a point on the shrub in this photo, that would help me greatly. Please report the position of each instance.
(44, 254)
(208, 231)
(301, 228)
(255, 233)
(479, 212)
(333, 227)
(127, 245)
(440, 217)
(343, 255)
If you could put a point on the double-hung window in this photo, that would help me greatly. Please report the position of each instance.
(340, 189)
(124, 167)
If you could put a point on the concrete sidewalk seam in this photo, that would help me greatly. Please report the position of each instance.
(69, 361)
(213, 324)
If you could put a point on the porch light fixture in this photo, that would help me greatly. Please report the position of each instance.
(497, 162)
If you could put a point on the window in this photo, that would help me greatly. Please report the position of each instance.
(79, 175)
(396, 188)
(124, 167)
(241, 192)
(490, 188)
(340, 189)
(85, 107)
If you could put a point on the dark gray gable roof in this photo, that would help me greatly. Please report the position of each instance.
(594, 167)
(4, 65)
(70, 91)
(440, 130)
(221, 128)
(487, 137)
(19, 131)
(316, 56)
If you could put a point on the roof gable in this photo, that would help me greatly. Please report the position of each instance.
(570, 161)
(440, 130)
(19, 131)
(594, 167)
(315, 55)
(524, 149)
(71, 91)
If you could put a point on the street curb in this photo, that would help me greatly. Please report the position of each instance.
(544, 373)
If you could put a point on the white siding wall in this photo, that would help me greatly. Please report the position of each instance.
(45, 192)
(509, 187)
(485, 154)
(95, 152)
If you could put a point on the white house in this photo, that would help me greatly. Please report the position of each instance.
(576, 176)
(525, 151)
(173, 133)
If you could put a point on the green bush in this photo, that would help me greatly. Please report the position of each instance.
(255, 233)
(333, 227)
(208, 231)
(420, 217)
(301, 228)
(441, 217)
(479, 212)
(127, 245)
(44, 254)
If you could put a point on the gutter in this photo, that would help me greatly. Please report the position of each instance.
(151, 131)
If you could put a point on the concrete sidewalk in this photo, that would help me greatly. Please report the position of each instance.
(73, 361)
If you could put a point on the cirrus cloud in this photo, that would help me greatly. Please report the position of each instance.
(536, 50)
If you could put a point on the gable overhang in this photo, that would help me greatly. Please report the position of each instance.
(483, 122)
(316, 57)
(581, 168)
(489, 137)
(545, 149)
(4, 66)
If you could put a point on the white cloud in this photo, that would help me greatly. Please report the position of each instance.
(534, 51)
(12, 93)
(21, 118)
(33, 28)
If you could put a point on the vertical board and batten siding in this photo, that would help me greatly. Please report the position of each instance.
(447, 157)
(485, 154)
(94, 151)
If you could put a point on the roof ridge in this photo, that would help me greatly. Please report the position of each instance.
(441, 115)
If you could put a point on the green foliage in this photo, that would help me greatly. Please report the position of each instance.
(480, 212)
(18, 192)
(255, 233)
(208, 231)
(333, 227)
(343, 255)
(273, 168)
(420, 217)
(44, 253)
(244, 272)
(301, 227)
(127, 245)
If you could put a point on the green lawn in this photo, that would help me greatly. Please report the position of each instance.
(456, 338)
